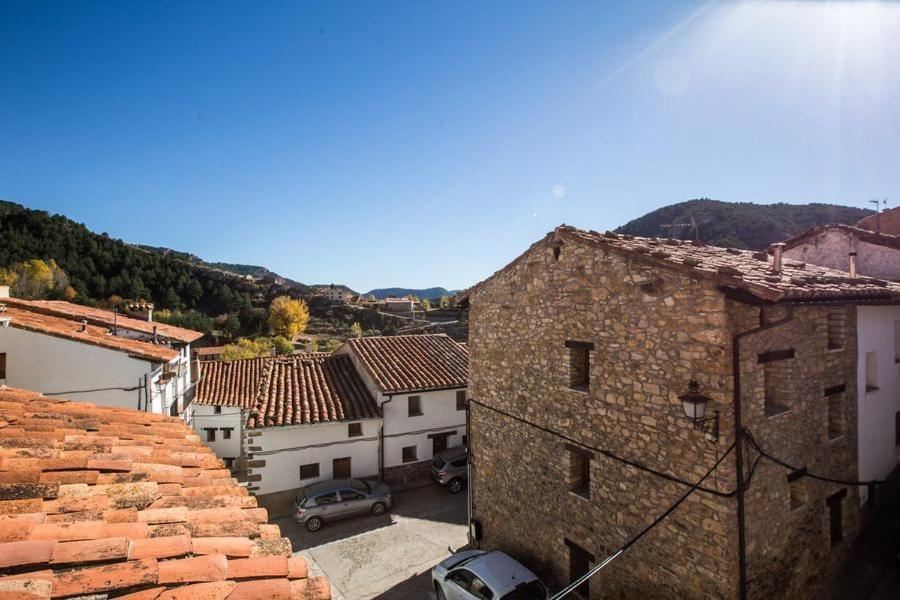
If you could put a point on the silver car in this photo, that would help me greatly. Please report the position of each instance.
(451, 468)
(480, 575)
(338, 498)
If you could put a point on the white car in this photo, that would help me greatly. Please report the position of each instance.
(480, 575)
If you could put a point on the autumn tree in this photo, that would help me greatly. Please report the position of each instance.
(288, 317)
(356, 329)
(34, 278)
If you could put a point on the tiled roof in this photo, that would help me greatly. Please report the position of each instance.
(743, 270)
(879, 239)
(408, 363)
(91, 334)
(108, 502)
(209, 350)
(887, 221)
(293, 390)
(101, 318)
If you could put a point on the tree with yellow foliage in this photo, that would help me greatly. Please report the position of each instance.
(34, 278)
(288, 317)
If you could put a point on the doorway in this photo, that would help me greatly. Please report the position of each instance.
(340, 468)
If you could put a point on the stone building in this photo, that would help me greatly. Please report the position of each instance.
(886, 221)
(579, 351)
(834, 246)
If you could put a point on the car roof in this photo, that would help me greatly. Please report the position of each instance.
(452, 453)
(328, 485)
(500, 571)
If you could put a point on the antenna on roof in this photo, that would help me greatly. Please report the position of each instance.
(693, 224)
(878, 202)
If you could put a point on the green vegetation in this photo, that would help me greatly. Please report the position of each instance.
(288, 317)
(261, 346)
(36, 278)
(740, 224)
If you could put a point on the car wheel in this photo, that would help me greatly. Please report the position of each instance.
(454, 486)
(378, 508)
(439, 593)
(314, 523)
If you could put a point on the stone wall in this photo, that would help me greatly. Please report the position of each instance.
(652, 331)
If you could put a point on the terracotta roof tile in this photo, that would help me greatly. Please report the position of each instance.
(408, 363)
(879, 239)
(153, 539)
(294, 390)
(91, 334)
(105, 318)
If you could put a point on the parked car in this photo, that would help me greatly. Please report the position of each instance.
(451, 468)
(480, 575)
(338, 498)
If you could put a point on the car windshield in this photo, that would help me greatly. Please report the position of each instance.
(533, 590)
(361, 486)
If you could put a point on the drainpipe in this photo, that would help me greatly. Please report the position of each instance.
(739, 437)
(381, 440)
(470, 483)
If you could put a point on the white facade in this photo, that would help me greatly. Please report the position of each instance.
(51, 364)
(220, 428)
(286, 449)
(878, 360)
(831, 247)
(439, 416)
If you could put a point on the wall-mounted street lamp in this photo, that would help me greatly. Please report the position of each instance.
(694, 404)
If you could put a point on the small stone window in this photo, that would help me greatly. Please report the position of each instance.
(2, 365)
(871, 371)
(836, 398)
(578, 477)
(777, 380)
(309, 471)
(226, 432)
(415, 406)
(836, 516)
(461, 400)
(798, 492)
(580, 364)
(837, 329)
(210, 434)
(354, 430)
(217, 410)
(410, 454)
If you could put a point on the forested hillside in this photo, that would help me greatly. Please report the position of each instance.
(100, 268)
(739, 224)
(433, 293)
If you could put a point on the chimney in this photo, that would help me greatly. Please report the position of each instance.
(852, 268)
(4, 291)
(155, 338)
(777, 250)
(83, 326)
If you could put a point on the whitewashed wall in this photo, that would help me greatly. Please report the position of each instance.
(832, 247)
(205, 416)
(438, 414)
(45, 363)
(286, 448)
(878, 453)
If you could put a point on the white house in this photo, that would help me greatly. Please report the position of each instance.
(58, 347)
(874, 254)
(419, 383)
(296, 420)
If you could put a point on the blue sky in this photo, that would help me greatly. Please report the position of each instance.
(428, 143)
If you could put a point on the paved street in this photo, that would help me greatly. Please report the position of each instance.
(387, 557)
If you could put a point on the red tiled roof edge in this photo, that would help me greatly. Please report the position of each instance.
(406, 373)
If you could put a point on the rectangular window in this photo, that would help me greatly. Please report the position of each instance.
(226, 432)
(835, 396)
(579, 364)
(229, 463)
(465, 439)
(210, 434)
(217, 410)
(579, 475)
(837, 329)
(309, 471)
(354, 429)
(836, 516)
(896, 342)
(579, 564)
(871, 371)
(409, 454)
(797, 491)
(2, 365)
(461, 400)
(415, 406)
(777, 380)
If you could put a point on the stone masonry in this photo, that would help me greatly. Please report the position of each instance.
(647, 331)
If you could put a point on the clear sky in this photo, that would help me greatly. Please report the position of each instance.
(428, 143)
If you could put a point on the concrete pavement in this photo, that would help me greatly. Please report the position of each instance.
(387, 557)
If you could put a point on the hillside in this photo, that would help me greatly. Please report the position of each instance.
(254, 271)
(432, 293)
(740, 224)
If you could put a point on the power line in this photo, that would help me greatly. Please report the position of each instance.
(694, 487)
(108, 389)
(607, 453)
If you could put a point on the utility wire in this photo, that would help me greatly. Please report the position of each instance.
(608, 453)
(778, 461)
(694, 487)
(109, 389)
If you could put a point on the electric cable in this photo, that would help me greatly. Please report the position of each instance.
(108, 389)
